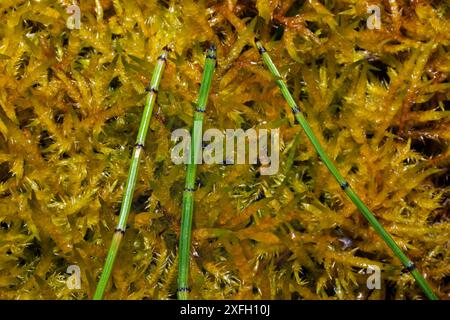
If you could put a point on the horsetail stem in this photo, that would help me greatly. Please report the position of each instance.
(188, 194)
(132, 174)
(409, 265)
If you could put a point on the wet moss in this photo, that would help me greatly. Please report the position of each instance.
(70, 104)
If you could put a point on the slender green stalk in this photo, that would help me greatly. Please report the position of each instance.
(132, 175)
(409, 265)
(188, 194)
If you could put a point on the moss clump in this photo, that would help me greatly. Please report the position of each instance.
(70, 104)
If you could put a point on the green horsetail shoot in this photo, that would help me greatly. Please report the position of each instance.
(408, 264)
(188, 194)
(132, 174)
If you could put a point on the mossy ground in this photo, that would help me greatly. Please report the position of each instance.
(70, 105)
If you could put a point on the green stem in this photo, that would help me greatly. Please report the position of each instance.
(132, 175)
(409, 265)
(188, 194)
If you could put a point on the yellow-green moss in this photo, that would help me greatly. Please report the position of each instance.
(70, 104)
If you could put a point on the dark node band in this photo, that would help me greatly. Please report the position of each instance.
(151, 89)
(162, 58)
(410, 267)
(167, 49)
(211, 56)
(184, 290)
(199, 110)
(189, 189)
(279, 80)
(122, 231)
(295, 110)
(139, 146)
(345, 185)
(262, 50)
